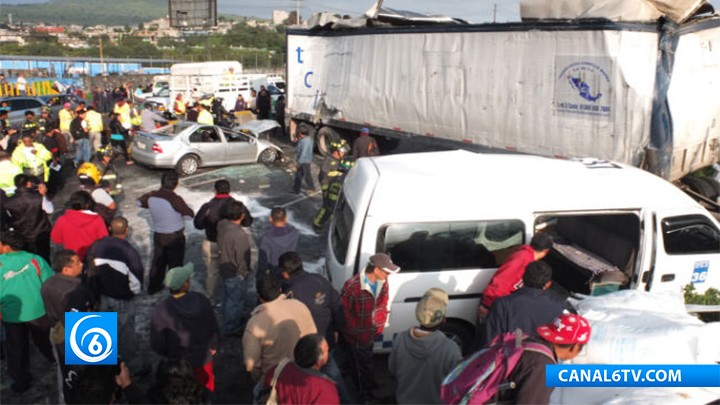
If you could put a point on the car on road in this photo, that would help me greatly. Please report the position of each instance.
(18, 105)
(188, 146)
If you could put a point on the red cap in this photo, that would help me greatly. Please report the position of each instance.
(566, 329)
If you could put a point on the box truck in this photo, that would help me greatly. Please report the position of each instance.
(646, 94)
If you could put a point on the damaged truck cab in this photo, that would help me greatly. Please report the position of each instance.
(614, 226)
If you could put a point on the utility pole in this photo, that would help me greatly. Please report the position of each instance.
(495, 12)
(102, 65)
(297, 12)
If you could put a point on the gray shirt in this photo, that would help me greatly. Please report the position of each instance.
(149, 118)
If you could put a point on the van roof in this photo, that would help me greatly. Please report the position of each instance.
(457, 182)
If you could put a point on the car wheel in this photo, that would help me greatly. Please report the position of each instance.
(325, 136)
(459, 332)
(268, 156)
(189, 164)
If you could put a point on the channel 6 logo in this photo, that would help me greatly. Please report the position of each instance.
(90, 338)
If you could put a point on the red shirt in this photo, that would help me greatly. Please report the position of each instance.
(296, 385)
(508, 277)
(365, 314)
(77, 230)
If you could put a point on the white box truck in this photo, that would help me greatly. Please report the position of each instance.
(644, 94)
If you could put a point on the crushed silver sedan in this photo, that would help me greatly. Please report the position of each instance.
(187, 146)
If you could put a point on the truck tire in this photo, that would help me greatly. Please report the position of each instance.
(714, 185)
(324, 137)
(187, 165)
(701, 186)
(459, 332)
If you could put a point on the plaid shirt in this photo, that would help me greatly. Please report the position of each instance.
(365, 314)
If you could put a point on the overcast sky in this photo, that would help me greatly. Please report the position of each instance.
(470, 10)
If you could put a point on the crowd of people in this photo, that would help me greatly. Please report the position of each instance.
(302, 341)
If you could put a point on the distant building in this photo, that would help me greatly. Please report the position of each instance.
(279, 17)
(293, 19)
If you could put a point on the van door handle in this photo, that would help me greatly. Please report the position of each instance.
(667, 277)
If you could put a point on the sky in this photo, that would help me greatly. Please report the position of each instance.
(470, 10)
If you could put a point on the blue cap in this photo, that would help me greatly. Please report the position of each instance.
(364, 131)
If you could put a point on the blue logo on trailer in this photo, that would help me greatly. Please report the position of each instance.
(700, 272)
(583, 86)
(90, 338)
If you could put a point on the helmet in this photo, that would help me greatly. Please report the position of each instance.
(46, 109)
(340, 146)
(104, 151)
(89, 170)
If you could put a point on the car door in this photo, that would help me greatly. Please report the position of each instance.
(687, 251)
(208, 144)
(241, 147)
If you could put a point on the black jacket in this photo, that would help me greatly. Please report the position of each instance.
(76, 129)
(323, 301)
(114, 268)
(184, 328)
(25, 214)
(526, 308)
(211, 213)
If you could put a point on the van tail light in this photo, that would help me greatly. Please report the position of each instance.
(157, 148)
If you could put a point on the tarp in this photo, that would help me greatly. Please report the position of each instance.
(614, 10)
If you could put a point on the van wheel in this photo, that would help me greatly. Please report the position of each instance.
(461, 333)
(324, 137)
(701, 186)
(188, 165)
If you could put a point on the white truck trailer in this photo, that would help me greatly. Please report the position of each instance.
(645, 94)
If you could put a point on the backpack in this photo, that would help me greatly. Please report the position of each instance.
(479, 378)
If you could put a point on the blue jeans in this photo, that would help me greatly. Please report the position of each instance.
(332, 370)
(84, 151)
(237, 303)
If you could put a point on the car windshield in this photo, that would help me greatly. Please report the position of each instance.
(172, 130)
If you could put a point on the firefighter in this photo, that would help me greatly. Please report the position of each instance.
(332, 174)
(32, 157)
(101, 181)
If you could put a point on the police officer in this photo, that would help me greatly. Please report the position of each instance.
(7, 130)
(332, 173)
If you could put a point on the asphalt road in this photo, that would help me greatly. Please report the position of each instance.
(260, 187)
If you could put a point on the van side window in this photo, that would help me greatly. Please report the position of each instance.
(690, 234)
(422, 247)
(340, 233)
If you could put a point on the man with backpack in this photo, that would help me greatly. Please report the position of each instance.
(480, 378)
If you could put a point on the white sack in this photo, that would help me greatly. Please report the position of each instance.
(636, 327)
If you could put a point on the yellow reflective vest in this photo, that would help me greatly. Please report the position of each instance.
(66, 118)
(124, 112)
(25, 159)
(204, 117)
(8, 171)
(94, 121)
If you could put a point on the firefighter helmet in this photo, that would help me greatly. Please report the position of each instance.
(340, 146)
(89, 170)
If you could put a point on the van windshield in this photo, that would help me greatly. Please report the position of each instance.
(422, 247)
(340, 232)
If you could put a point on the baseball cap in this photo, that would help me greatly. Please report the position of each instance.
(364, 131)
(384, 262)
(177, 276)
(431, 308)
(566, 329)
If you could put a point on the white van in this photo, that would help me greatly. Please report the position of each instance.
(449, 219)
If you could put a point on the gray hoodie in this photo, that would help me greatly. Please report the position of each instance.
(420, 364)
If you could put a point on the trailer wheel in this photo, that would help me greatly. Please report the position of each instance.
(701, 186)
(324, 137)
(714, 185)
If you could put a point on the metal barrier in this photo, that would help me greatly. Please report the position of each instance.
(34, 88)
